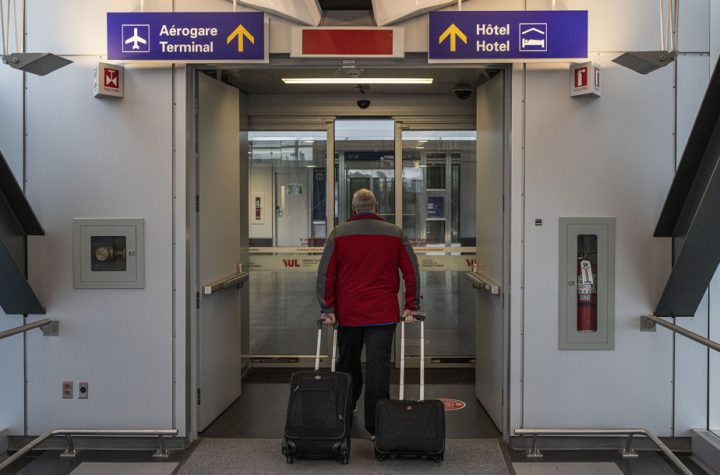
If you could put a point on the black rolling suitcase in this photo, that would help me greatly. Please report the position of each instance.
(318, 418)
(407, 428)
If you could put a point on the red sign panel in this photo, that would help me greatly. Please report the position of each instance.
(333, 42)
(347, 42)
(581, 77)
(112, 78)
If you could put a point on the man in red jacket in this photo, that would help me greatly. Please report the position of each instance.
(357, 286)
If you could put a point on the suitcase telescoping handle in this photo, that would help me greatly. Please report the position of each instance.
(421, 319)
(334, 346)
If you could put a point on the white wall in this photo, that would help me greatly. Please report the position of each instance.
(604, 157)
(92, 158)
(609, 156)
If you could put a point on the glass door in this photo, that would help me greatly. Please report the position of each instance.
(289, 179)
(438, 203)
(364, 158)
(287, 231)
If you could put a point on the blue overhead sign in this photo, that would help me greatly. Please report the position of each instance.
(467, 36)
(187, 37)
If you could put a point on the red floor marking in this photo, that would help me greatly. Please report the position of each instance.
(452, 404)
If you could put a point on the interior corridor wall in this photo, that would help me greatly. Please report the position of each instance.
(93, 158)
(612, 156)
(697, 369)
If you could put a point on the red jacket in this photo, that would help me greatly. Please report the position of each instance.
(358, 277)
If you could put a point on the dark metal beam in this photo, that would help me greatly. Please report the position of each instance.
(691, 214)
(17, 220)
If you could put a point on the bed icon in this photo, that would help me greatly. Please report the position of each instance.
(533, 37)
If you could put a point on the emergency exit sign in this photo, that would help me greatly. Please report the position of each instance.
(347, 43)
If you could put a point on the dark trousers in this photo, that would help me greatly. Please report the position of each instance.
(378, 349)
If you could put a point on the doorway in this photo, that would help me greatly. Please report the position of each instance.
(431, 190)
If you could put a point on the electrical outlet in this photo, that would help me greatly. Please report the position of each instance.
(67, 389)
(83, 390)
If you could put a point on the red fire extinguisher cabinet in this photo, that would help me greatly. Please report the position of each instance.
(587, 283)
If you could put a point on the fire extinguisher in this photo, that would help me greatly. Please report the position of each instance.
(586, 297)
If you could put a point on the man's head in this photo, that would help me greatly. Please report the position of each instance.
(364, 201)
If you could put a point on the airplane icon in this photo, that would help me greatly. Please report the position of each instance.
(135, 39)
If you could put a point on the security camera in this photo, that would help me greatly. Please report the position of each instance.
(462, 92)
(363, 103)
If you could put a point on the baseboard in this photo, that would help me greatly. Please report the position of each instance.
(706, 447)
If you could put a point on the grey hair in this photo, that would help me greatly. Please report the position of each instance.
(363, 200)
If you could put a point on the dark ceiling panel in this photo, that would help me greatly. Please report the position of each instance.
(345, 4)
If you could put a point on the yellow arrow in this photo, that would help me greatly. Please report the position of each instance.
(240, 32)
(453, 32)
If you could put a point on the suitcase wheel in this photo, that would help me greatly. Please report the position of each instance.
(289, 459)
(439, 458)
(345, 453)
(380, 457)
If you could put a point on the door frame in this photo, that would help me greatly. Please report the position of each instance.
(192, 285)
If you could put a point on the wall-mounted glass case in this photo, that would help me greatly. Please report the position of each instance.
(587, 284)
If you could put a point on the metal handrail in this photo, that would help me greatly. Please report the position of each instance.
(677, 329)
(480, 281)
(628, 452)
(236, 279)
(70, 450)
(24, 328)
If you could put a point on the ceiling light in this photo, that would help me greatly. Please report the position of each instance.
(357, 80)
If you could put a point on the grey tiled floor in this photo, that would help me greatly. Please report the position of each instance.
(283, 310)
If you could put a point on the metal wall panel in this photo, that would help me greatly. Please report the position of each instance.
(713, 419)
(714, 32)
(598, 156)
(96, 158)
(691, 373)
(11, 97)
(691, 359)
(12, 392)
(11, 349)
(77, 26)
(693, 75)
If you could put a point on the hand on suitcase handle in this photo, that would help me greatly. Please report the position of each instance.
(327, 319)
(411, 316)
